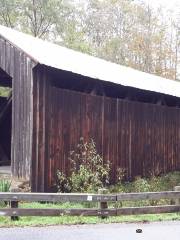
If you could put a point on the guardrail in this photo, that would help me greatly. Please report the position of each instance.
(103, 199)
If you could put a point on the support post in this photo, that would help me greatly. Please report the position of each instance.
(14, 205)
(103, 205)
(177, 201)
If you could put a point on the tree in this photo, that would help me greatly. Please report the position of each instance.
(126, 32)
(39, 16)
(9, 12)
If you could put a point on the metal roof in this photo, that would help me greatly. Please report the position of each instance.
(55, 56)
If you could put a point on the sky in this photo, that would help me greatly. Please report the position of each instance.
(171, 4)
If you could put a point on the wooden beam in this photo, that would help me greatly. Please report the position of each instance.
(85, 197)
(148, 210)
(57, 212)
(89, 211)
(148, 196)
(57, 197)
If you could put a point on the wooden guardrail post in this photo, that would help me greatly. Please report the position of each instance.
(177, 201)
(103, 205)
(14, 205)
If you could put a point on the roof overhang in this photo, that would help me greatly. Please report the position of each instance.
(62, 58)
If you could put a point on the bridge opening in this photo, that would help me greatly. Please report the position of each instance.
(5, 118)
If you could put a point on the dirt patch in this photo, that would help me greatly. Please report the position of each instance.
(20, 186)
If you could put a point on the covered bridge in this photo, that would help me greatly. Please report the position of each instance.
(59, 95)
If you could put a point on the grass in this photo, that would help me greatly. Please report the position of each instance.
(67, 220)
(163, 183)
(5, 91)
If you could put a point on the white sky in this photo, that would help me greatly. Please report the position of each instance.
(172, 4)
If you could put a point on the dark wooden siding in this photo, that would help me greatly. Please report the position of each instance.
(142, 138)
(19, 66)
(41, 119)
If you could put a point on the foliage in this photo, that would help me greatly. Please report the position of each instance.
(130, 33)
(165, 182)
(141, 185)
(5, 185)
(4, 91)
(39, 17)
(9, 12)
(88, 172)
(62, 182)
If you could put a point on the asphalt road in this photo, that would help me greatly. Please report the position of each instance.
(150, 231)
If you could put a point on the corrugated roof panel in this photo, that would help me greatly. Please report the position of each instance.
(63, 58)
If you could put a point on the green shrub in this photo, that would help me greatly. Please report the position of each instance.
(141, 185)
(63, 184)
(5, 185)
(88, 172)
